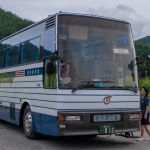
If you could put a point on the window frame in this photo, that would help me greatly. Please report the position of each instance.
(19, 62)
(54, 28)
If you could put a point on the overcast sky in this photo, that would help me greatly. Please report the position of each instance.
(137, 12)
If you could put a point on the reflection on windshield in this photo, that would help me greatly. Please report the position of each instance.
(64, 79)
(95, 54)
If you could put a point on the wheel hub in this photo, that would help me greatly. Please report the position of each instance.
(28, 121)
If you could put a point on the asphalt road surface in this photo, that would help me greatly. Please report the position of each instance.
(12, 138)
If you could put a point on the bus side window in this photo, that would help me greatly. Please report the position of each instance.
(49, 80)
(12, 56)
(24, 52)
(49, 42)
(30, 51)
(34, 49)
(2, 55)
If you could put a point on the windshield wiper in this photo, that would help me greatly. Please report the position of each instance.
(79, 87)
(89, 83)
(125, 88)
(105, 81)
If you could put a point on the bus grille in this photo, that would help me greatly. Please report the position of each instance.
(50, 22)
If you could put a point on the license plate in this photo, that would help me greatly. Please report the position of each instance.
(107, 118)
(106, 129)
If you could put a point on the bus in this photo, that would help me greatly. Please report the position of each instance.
(68, 75)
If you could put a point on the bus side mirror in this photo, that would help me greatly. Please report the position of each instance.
(50, 69)
(131, 65)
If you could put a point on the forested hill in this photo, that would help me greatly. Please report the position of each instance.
(144, 41)
(142, 47)
(11, 23)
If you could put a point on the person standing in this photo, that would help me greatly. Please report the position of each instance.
(144, 105)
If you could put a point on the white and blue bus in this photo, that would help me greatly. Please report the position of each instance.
(68, 75)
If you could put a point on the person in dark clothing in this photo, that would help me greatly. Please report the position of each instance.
(144, 105)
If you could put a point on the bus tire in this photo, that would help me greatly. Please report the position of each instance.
(27, 124)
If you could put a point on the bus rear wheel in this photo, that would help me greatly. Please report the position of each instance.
(28, 125)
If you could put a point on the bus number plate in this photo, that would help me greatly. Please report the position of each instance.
(107, 118)
(106, 129)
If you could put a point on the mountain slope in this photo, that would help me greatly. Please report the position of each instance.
(144, 41)
(11, 23)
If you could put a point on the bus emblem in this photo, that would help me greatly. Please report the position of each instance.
(107, 100)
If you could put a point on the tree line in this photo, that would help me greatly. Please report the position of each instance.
(142, 47)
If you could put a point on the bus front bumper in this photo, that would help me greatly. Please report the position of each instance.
(86, 126)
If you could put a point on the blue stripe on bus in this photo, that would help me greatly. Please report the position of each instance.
(27, 81)
(81, 109)
(58, 108)
(102, 109)
(72, 108)
(34, 71)
(9, 102)
(42, 123)
(5, 114)
(45, 124)
(71, 94)
(27, 72)
(70, 101)
(95, 109)
(20, 87)
(85, 101)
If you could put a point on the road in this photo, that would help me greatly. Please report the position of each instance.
(12, 138)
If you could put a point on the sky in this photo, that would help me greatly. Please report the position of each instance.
(136, 12)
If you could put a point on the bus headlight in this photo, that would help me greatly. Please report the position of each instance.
(73, 118)
(134, 116)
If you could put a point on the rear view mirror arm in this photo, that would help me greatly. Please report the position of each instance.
(137, 61)
(56, 57)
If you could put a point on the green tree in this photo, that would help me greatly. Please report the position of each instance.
(11, 23)
(142, 47)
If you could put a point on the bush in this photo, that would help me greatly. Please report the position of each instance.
(145, 82)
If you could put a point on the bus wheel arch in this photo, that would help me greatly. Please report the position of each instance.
(25, 104)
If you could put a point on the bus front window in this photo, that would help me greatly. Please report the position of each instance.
(94, 49)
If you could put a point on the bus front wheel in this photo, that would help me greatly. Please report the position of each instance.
(27, 124)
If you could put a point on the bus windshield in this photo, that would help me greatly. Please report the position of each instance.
(94, 49)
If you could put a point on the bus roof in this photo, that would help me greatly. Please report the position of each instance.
(63, 13)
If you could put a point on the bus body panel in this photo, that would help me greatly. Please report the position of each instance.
(24, 84)
(46, 105)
